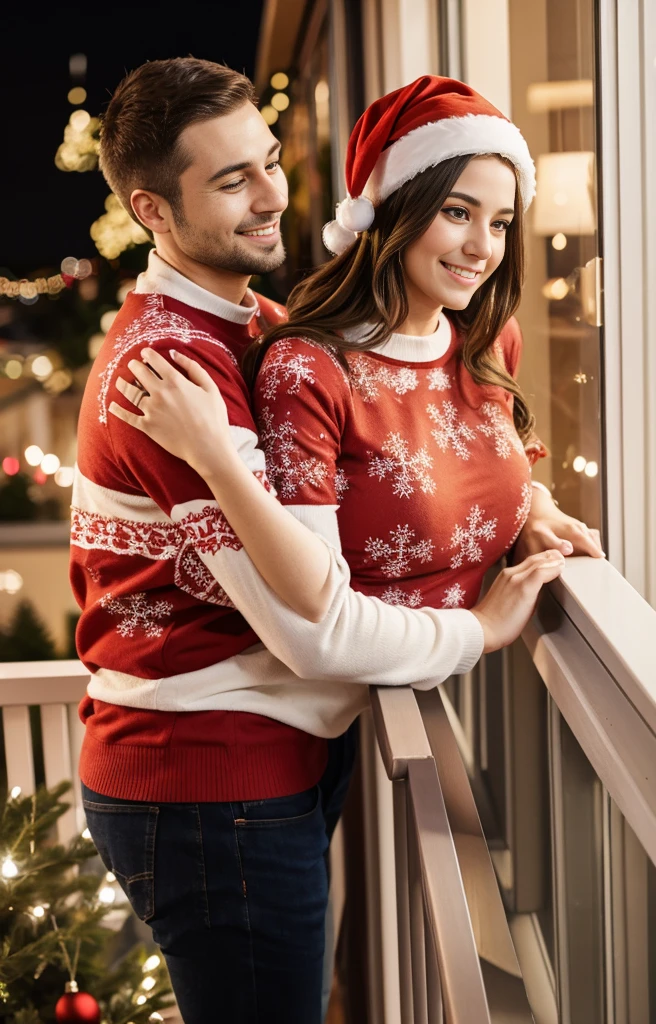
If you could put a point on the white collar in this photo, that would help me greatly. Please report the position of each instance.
(162, 278)
(409, 348)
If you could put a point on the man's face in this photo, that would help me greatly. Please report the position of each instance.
(233, 194)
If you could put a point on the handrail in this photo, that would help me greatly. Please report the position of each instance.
(591, 641)
(408, 760)
(42, 682)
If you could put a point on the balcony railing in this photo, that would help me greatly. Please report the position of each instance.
(441, 941)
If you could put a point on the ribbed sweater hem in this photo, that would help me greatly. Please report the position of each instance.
(202, 774)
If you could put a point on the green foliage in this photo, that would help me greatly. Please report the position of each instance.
(16, 503)
(27, 638)
(64, 881)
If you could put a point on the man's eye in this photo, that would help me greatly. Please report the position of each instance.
(232, 186)
(273, 166)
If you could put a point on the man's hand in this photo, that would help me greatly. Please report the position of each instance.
(547, 528)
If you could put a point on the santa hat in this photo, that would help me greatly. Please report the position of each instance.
(402, 134)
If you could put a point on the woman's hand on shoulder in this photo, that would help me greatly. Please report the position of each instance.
(186, 415)
(548, 528)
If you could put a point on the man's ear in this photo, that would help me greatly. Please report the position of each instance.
(153, 211)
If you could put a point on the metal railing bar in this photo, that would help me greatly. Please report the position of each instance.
(433, 988)
(399, 728)
(463, 991)
(617, 623)
(614, 736)
(403, 899)
(417, 937)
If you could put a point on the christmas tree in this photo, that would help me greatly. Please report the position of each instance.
(52, 937)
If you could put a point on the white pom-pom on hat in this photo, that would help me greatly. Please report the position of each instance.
(336, 238)
(356, 214)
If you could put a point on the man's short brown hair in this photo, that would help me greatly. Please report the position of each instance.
(140, 136)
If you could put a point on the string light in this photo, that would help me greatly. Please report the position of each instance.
(50, 464)
(13, 369)
(16, 792)
(77, 95)
(280, 101)
(110, 877)
(155, 1017)
(11, 466)
(106, 895)
(94, 345)
(148, 983)
(107, 319)
(579, 464)
(115, 231)
(81, 145)
(86, 834)
(280, 80)
(9, 869)
(140, 1000)
(11, 582)
(33, 455)
(41, 367)
(591, 468)
(38, 912)
(270, 114)
(559, 241)
(64, 476)
(151, 963)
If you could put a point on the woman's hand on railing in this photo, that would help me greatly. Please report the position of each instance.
(509, 603)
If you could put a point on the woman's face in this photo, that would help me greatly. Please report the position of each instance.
(466, 241)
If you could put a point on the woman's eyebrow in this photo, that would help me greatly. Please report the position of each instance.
(474, 202)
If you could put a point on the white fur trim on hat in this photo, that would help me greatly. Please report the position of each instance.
(430, 144)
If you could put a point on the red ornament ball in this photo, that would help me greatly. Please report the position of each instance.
(77, 1008)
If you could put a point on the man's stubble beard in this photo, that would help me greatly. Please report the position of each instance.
(201, 247)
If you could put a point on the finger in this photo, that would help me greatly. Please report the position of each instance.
(553, 542)
(144, 375)
(133, 393)
(534, 560)
(196, 373)
(585, 543)
(160, 366)
(596, 536)
(133, 418)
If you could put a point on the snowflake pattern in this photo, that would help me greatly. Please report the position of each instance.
(341, 484)
(467, 538)
(135, 612)
(209, 531)
(450, 432)
(454, 596)
(394, 595)
(398, 554)
(194, 578)
(286, 465)
(367, 377)
(522, 511)
(283, 366)
(154, 323)
(405, 469)
(501, 430)
(438, 380)
(90, 530)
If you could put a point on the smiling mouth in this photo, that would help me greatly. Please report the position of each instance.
(269, 229)
(468, 275)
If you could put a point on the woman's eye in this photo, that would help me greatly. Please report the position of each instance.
(501, 225)
(456, 212)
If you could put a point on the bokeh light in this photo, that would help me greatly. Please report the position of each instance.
(33, 455)
(280, 80)
(11, 581)
(107, 319)
(115, 231)
(50, 464)
(42, 367)
(579, 464)
(64, 476)
(591, 468)
(13, 369)
(11, 466)
(280, 101)
(559, 241)
(77, 95)
(79, 120)
(269, 114)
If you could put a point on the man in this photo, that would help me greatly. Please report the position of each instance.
(206, 779)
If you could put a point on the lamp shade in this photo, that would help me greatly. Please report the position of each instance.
(565, 194)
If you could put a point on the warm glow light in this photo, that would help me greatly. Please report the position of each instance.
(33, 455)
(39, 476)
(11, 581)
(94, 345)
(321, 91)
(16, 792)
(115, 231)
(41, 367)
(124, 290)
(155, 1017)
(565, 199)
(269, 114)
(110, 877)
(38, 912)
(556, 288)
(79, 120)
(140, 1000)
(13, 369)
(107, 319)
(591, 469)
(151, 963)
(106, 895)
(280, 80)
(50, 464)
(559, 241)
(9, 869)
(280, 101)
(64, 476)
(11, 466)
(148, 983)
(86, 834)
(77, 95)
(579, 464)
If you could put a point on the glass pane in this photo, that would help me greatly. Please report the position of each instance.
(552, 74)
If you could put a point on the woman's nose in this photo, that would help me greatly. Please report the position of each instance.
(479, 243)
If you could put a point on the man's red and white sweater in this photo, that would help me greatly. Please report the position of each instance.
(204, 685)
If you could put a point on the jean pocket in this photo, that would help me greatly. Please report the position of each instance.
(124, 835)
(279, 810)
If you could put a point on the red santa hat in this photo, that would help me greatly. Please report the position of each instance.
(402, 134)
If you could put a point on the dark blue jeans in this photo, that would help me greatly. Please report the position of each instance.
(235, 893)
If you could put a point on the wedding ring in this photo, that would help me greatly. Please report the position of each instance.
(143, 394)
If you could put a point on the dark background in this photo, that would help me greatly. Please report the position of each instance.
(45, 213)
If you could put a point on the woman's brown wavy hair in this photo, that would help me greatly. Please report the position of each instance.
(366, 284)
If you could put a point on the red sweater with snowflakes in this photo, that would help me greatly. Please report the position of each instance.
(204, 685)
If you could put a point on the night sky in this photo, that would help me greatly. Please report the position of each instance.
(45, 213)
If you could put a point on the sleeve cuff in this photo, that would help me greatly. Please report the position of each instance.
(473, 639)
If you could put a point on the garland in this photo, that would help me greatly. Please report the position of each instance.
(25, 289)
